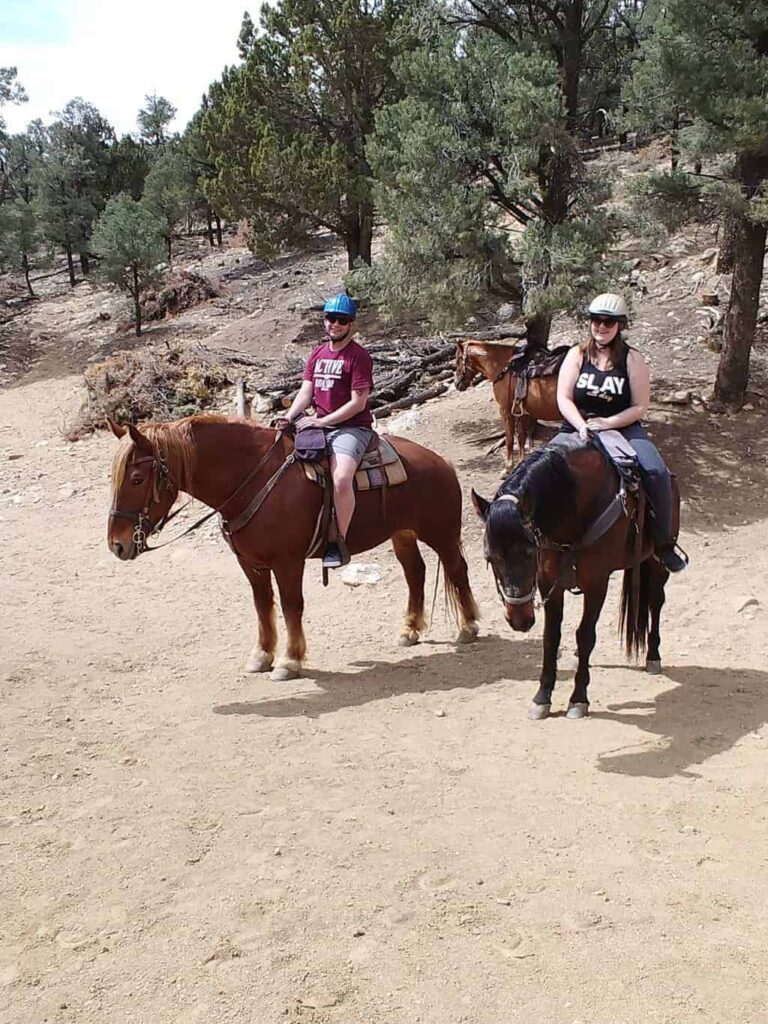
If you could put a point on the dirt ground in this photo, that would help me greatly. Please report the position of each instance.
(388, 840)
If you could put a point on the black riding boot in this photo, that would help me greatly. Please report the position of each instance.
(658, 488)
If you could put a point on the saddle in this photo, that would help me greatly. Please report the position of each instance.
(381, 467)
(529, 362)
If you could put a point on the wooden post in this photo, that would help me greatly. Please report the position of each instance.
(242, 402)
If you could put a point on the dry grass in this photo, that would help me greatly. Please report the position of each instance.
(153, 383)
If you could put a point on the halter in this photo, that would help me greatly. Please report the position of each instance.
(159, 475)
(509, 598)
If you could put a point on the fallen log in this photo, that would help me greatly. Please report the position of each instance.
(405, 403)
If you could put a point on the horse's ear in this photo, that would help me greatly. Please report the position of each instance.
(141, 442)
(116, 429)
(481, 505)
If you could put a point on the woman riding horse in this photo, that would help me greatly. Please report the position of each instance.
(604, 385)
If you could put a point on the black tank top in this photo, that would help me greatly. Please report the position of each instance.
(602, 392)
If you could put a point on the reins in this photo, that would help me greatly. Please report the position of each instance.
(143, 528)
(597, 529)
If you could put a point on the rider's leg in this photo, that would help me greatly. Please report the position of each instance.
(658, 485)
(343, 473)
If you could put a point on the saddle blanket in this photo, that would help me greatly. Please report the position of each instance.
(369, 474)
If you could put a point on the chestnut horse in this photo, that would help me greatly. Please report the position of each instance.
(561, 520)
(518, 418)
(226, 463)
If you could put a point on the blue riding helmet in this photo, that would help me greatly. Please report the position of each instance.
(341, 304)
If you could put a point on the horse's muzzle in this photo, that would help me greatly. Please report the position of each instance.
(125, 552)
(521, 617)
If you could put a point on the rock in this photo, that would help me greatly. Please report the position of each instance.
(746, 602)
(440, 713)
(709, 298)
(401, 424)
(507, 311)
(15, 456)
(675, 398)
(748, 407)
(357, 573)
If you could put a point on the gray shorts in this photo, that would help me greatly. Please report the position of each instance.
(351, 441)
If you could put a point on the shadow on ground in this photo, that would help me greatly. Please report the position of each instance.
(489, 660)
(704, 714)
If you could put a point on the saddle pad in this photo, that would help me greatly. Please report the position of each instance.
(536, 362)
(369, 475)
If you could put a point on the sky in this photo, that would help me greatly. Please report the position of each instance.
(115, 53)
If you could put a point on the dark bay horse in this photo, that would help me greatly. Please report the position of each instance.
(561, 520)
(518, 417)
(210, 457)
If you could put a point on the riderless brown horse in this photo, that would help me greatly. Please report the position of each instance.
(518, 416)
(233, 464)
(562, 520)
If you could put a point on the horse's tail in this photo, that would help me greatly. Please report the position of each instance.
(636, 608)
(458, 613)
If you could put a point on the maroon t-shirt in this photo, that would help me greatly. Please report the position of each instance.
(335, 375)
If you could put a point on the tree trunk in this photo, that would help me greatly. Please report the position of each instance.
(85, 265)
(572, 52)
(70, 266)
(25, 268)
(168, 249)
(727, 243)
(209, 224)
(360, 239)
(740, 320)
(218, 229)
(136, 302)
(537, 330)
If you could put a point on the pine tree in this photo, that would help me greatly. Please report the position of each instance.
(712, 61)
(287, 130)
(154, 119)
(129, 242)
(169, 192)
(479, 174)
(20, 233)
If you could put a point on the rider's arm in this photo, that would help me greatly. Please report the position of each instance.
(345, 412)
(302, 401)
(640, 389)
(566, 381)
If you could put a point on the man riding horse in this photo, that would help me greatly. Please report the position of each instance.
(338, 379)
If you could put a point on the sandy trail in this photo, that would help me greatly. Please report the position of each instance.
(388, 839)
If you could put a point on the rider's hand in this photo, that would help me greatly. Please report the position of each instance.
(307, 421)
(282, 423)
(584, 433)
(598, 423)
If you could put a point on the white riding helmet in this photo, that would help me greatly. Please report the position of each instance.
(609, 304)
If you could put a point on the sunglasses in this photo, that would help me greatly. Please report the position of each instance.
(605, 321)
(334, 318)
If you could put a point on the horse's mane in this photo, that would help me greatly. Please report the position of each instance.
(175, 442)
(545, 480)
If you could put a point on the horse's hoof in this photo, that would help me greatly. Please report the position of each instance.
(261, 662)
(283, 673)
(407, 639)
(653, 668)
(468, 634)
(577, 711)
(538, 712)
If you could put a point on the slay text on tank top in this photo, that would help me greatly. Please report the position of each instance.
(602, 392)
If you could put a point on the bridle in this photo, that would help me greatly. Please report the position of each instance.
(159, 476)
(532, 532)
(597, 528)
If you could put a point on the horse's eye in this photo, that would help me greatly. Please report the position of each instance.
(136, 479)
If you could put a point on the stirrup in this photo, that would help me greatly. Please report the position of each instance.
(336, 555)
(672, 558)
